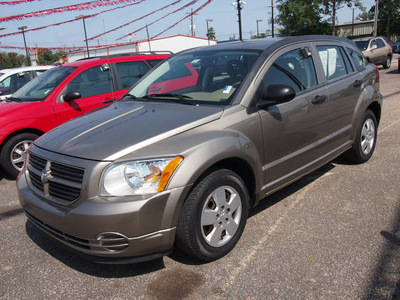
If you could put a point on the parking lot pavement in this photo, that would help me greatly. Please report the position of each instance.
(335, 234)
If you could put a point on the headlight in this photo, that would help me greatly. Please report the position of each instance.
(138, 177)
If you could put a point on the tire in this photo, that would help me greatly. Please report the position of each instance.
(388, 63)
(213, 216)
(365, 141)
(12, 157)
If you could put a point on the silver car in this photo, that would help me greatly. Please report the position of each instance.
(182, 157)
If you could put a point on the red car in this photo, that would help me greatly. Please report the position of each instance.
(61, 94)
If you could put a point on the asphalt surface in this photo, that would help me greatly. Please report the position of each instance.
(335, 234)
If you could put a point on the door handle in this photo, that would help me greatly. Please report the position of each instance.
(357, 83)
(319, 100)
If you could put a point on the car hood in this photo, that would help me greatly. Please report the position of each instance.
(117, 130)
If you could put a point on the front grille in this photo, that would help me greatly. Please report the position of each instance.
(58, 182)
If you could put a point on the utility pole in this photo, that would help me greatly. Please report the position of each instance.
(26, 49)
(376, 18)
(272, 18)
(84, 29)
(192, 26)
(238, 5)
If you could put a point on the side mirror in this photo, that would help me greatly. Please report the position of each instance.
(373, 47)
(71, 96)
(277, 93)
(1, 93)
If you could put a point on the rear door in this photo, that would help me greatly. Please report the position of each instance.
(344, 83)
(293, 132)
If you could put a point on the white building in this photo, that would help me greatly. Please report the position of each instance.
(172, 44)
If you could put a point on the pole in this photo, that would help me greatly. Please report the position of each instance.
(191, 21)
(376, 18)
(257, 21)
(87, 46)
(352, 24)
(26, 49)
(148, 37)
(239, 19)
(272, 18)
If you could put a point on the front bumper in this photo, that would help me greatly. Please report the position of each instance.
(107, 230)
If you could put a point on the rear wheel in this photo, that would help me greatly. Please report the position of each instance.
(364, 144)
(13, 154)
(214, 216)
(388, 63)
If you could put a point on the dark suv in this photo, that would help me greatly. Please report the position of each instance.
(196, 143)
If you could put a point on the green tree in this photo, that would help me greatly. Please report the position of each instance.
(47, 56)
(11, 60)
(211, 33)
(299, 17)
(330, 8)
(389, 17)
(262, 35)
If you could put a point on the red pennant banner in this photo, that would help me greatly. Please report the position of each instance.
(82, 6)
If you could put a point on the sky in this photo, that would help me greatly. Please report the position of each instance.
(222, 12)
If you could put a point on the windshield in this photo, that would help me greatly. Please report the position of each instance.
(362, 45)
(40, 87)
(201, 77)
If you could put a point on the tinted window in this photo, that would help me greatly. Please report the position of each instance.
(333, 62)
(362, 45)
(373, 43)
(292, 69)
(14, 82)
(131, 71)
(380, 43)
(154, 62)
(94, 81)
(357, 59)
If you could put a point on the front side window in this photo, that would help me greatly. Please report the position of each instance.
(203, 76)
(130, 72)
(334, 63)
(40, 87)
(293, 68)
(92, 82)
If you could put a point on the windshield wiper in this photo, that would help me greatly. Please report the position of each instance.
(176, 97)
(132, 97)
(13, 99)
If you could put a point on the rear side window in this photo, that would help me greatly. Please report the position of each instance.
(333, 62)
(380, 43)
(131, 71)
(357, 59)
(92, 82)
(292, 69)
(14, 82)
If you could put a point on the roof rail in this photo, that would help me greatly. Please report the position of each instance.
(128, 54)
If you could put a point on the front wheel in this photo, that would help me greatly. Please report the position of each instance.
(13, 154)
(365, 141)
(213, 216)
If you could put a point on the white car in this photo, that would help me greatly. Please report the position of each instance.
(13, 79)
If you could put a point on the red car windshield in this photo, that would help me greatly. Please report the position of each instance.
(40, 87)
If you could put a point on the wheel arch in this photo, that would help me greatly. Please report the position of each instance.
(17, 132)
(376, 108)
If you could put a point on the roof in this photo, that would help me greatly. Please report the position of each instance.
(23, 69)
(115, 58)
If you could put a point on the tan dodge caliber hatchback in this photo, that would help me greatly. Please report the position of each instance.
(183, 155)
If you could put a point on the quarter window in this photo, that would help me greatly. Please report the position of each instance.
(333, 62)
(293, 69)
(357, 59)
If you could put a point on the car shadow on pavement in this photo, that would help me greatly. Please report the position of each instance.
(290, 189)
(385, 281)
(85, 266)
